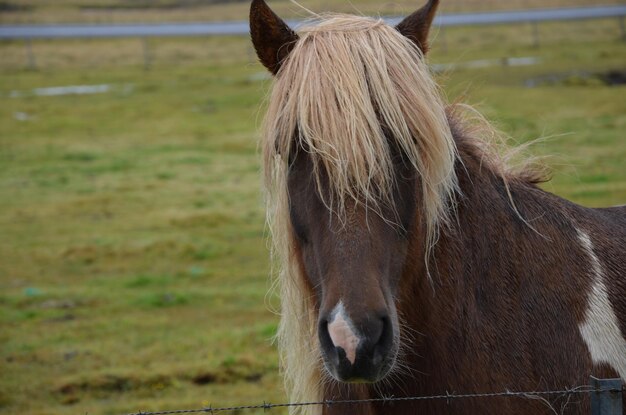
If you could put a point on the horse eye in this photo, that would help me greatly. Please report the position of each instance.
(298, 227)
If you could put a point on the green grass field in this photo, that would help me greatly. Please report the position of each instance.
(133, 257)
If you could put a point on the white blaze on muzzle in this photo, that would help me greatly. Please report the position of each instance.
(342, 332)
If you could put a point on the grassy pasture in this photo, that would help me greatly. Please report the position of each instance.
(133, 258)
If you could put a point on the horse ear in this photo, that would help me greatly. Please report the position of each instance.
(271, 37)
(417, 25)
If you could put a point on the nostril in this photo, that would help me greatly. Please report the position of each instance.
(324, 335)
(386, 333)
(376, 330)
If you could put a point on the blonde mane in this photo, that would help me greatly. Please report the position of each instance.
(349, 84)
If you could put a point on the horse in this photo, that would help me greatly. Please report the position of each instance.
(413, 259)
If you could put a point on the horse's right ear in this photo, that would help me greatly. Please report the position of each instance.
(271, 37)
(417, 25)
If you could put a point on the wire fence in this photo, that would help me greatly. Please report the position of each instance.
(566, 392)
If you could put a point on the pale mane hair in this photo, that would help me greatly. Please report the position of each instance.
(349, 86)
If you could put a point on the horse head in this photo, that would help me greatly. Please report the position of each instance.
(353, 264)
(355, 175)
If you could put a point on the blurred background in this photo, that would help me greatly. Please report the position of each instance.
(134, 265)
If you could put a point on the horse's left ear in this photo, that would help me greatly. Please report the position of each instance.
(271, 37)
(417, 25)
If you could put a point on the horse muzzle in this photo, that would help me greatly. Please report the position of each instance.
(360, 351)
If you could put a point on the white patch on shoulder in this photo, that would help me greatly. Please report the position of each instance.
(600, 329)
(342, 332)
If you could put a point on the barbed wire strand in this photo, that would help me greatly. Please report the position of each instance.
(267, 406)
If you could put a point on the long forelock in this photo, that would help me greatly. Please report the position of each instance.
(352, 88)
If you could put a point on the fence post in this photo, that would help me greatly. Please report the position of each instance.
(147, 55)
(32, 62)
(535, 28)
(606, 399)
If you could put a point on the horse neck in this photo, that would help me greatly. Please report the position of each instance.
(503, 232)
(489, 210)
(509, 261)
